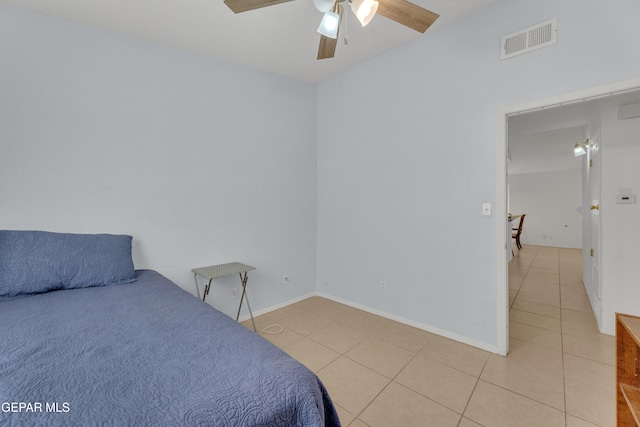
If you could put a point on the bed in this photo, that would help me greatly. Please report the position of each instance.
(83, 343)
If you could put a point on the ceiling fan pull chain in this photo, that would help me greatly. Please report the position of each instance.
(346, 27)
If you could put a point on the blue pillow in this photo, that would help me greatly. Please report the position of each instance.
(32, 262)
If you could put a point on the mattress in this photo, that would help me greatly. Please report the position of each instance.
(146, 353)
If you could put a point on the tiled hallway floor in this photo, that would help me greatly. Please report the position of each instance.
(560, 370)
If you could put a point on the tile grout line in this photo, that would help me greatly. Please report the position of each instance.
(564, 383)
(472, 392)
(564, 380)
(561, 347)
(391, 380)
(564, 394)
(522, 281)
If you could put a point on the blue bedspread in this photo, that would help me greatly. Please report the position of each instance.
(146, 354)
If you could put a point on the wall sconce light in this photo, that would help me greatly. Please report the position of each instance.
(580, 149)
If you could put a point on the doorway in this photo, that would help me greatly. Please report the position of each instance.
(570, 110)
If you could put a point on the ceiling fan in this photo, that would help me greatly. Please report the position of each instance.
(402, 11)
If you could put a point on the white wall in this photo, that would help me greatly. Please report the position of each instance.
(409, 156)
(553, 204)
(620, 154)
(201, 161)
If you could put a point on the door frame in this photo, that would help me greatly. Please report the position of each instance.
(503, 243)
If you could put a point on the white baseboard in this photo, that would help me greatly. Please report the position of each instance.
(418, 325)
(400, 319)
(244, 317)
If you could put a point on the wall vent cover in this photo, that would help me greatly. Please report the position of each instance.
(532, 38)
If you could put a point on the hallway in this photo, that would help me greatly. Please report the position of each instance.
(571, 365)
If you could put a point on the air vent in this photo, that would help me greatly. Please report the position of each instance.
(532, 38)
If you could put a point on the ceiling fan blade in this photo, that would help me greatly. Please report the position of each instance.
(327, 47)
(408, 14)
(245, 5)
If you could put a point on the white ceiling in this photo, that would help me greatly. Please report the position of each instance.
(280, 39)
(543, 140)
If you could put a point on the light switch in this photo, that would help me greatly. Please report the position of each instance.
(486, 209)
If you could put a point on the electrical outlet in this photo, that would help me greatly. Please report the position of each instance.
(234, 293)
(285, 280)
(383, 286)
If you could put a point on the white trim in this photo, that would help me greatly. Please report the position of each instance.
(502, 294)
(570, 98)
(424, 327)
(501, 209)
(244, 317)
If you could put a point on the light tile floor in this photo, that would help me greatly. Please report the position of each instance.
(560, 370)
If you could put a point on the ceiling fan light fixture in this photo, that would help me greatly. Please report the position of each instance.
(323, 5)
(364, 10)
(329, 25)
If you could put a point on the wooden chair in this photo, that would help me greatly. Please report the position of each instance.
(516, 232)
